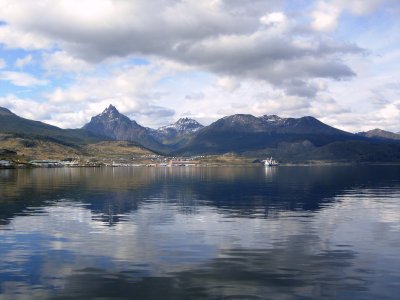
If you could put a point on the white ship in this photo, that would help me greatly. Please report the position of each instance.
(270, 162)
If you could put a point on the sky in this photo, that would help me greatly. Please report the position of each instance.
(64, 61)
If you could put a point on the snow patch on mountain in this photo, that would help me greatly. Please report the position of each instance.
(272, 120)
(183, 125)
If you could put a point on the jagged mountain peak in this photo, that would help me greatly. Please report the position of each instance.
(186, 120)
(111, 123)
(111, 115)
(110, 110)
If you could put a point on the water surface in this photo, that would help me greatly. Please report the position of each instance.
(200, 233)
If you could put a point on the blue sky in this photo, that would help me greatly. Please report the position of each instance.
(62, 62)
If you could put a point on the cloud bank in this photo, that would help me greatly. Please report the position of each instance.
(275, 47)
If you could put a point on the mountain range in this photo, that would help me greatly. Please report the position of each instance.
(236, 133)
(112, 124)
(288, 139)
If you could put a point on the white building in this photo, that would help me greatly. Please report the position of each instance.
(6, 163)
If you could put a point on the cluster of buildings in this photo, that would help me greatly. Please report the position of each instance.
(149, 161)
(6, 163)
(155, 162)
(159, 163)
(54, 163)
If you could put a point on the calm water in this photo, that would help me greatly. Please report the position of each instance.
(200, 233)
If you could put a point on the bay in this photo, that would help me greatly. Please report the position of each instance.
(321, 232)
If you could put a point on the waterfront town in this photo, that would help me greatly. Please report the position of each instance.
(141, 161)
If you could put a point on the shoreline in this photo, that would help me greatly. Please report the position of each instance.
(252, 165)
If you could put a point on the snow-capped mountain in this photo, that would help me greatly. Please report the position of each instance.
(184, 126)
(181, 128)
(272, 119)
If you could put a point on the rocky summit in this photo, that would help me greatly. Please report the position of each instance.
(111, 123)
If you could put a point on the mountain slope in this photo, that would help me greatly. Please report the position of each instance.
(11, 123)
(41, 147)
(5, 112)
(380, 134)
(241, 132)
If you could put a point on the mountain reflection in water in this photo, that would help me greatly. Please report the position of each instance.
(187, 233)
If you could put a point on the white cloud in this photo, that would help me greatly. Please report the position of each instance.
(277, 20)
(62, 61)
(21, 79)
(228, 83)
(360, 7)
(325, 17)
(272, 18)
(14, 38)
(251, 97)
(27, 108)
(3, 63)
(223, 37)
(65, 116)
(21, 62)
(133, 90)
(391, 111)
(254, 57)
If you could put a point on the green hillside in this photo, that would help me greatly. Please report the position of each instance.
(33, 147)
(11, 123)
